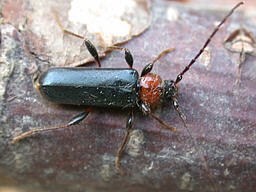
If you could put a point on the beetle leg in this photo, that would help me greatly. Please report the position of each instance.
(129, 124)
(149, 66)
(145, 109)
(62, 28)
(128, 55)
(75, 120)
(91, 48)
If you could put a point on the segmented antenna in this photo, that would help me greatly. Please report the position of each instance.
(179, 77)
(183, 118)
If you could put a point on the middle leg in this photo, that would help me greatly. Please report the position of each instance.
(129, 124)
(147, 69)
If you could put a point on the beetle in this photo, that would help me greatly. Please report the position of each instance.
(113, 87)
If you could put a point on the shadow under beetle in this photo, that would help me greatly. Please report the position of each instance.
(108, 87)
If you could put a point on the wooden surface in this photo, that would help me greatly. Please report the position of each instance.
(220, 114)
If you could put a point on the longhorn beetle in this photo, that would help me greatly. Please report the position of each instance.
(108, 87)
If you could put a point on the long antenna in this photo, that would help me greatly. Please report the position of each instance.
(179, 77)
(183, 118)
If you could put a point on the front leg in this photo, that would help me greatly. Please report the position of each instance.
(146, 110)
